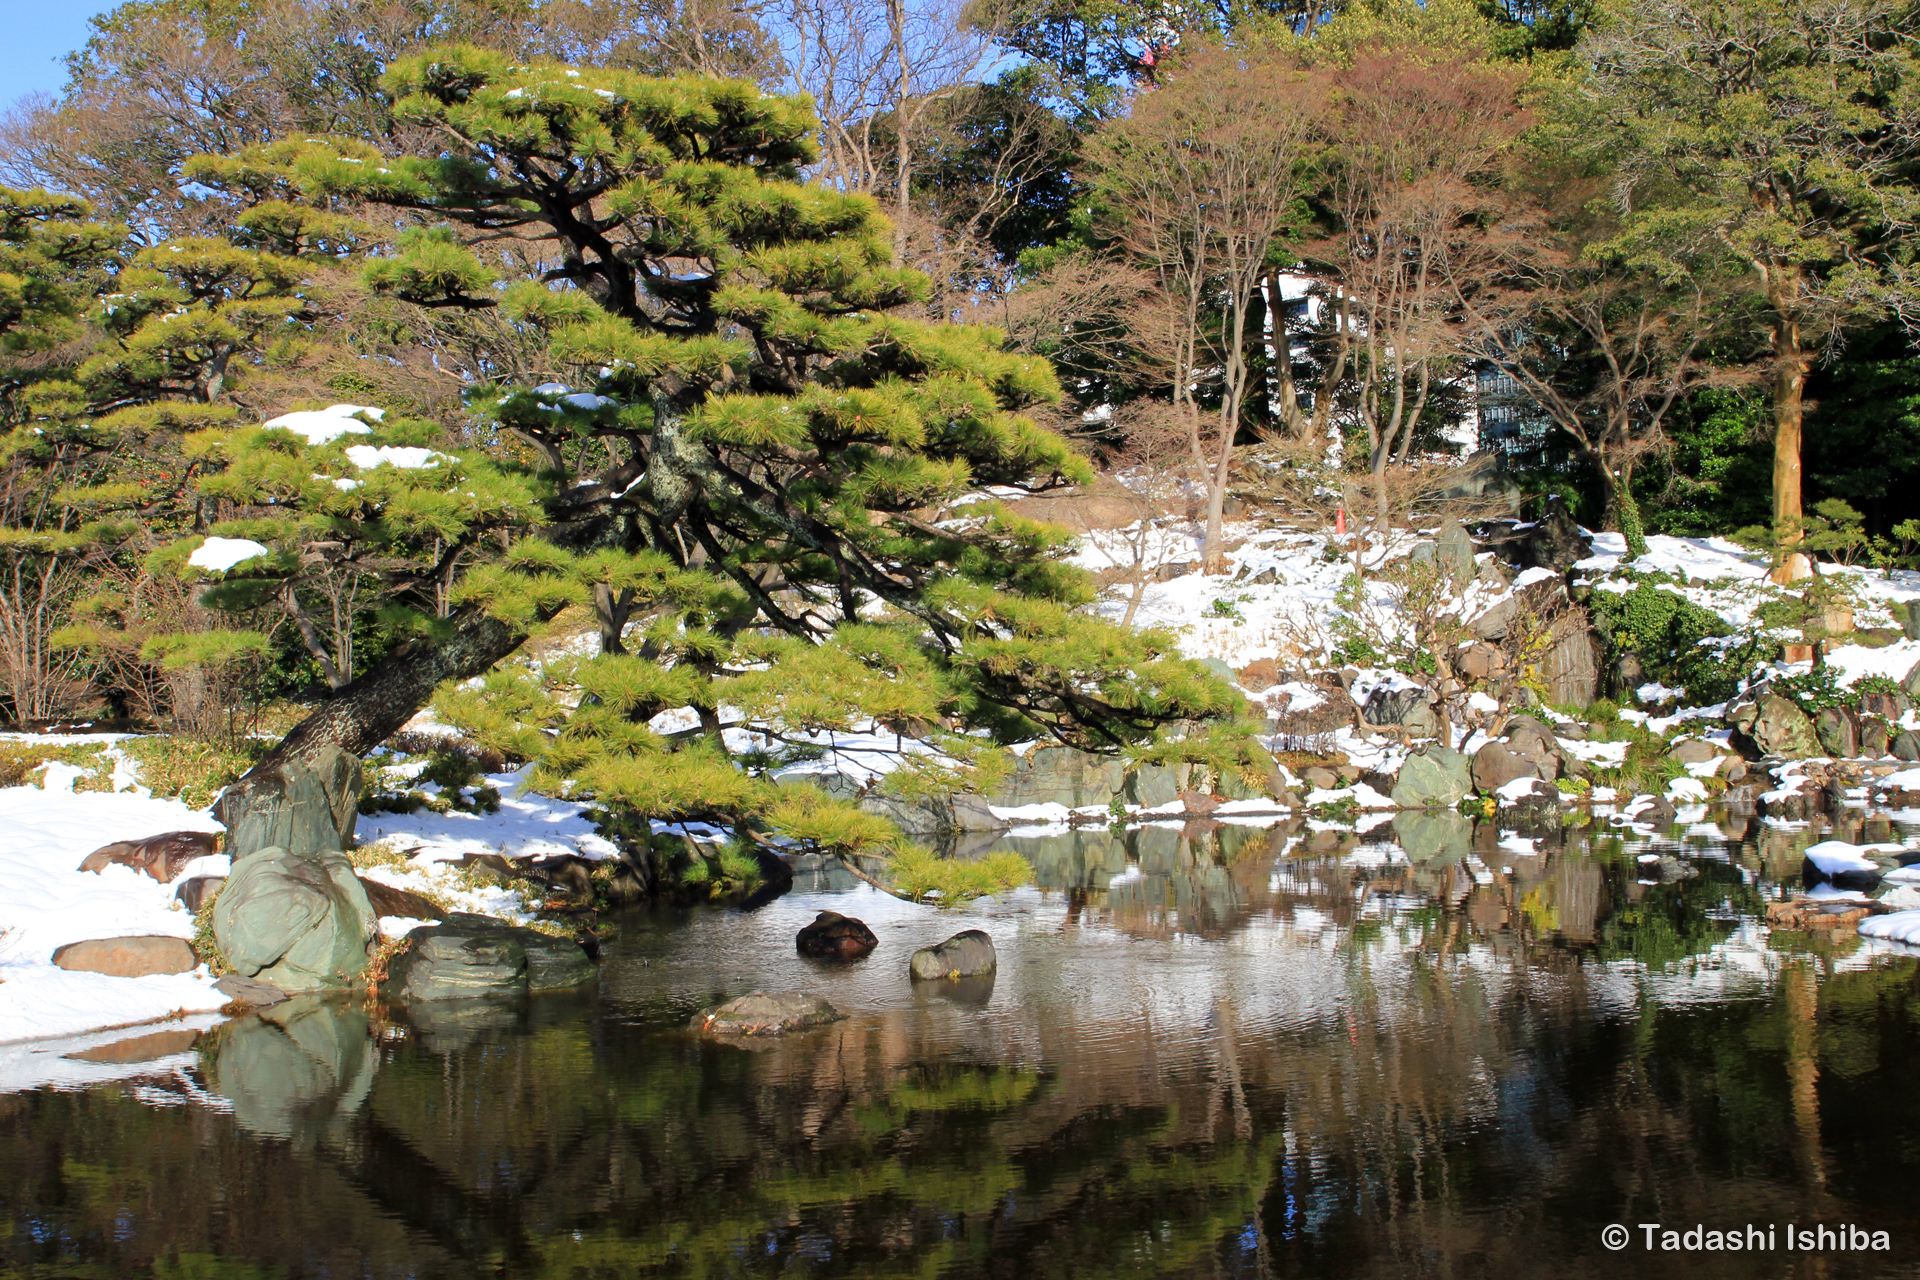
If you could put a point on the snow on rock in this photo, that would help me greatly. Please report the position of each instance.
(1687, 789)
(1899, 926)
(1835, 857)
(1518, 789)
(48, 904)
(405, 457)
(220, 554)
(323, 426)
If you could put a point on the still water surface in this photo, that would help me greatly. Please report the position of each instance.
(1218, 1053)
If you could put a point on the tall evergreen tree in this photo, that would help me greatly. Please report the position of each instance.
(1785, 133)
(767, 487)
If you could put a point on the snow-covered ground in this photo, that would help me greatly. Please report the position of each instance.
(48, 903)
(45, 832)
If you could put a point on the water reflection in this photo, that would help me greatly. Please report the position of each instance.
(1433, 1047)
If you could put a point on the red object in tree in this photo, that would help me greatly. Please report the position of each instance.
(1340, 520)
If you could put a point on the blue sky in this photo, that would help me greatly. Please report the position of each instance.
(37, 34)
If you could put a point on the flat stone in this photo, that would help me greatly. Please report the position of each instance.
(761, 1014)
(133, 957)
(1694, 751)
(251, 992)
(964, 955)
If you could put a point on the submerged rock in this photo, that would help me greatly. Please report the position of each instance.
(299, 921)
(128, 957)
(964, 955)
(249, 992)
(760, 1014)
(833, 936)
(160, 856)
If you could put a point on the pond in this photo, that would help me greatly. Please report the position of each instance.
(1211, 1052)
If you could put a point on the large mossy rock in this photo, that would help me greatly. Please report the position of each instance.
(299, 921)
(1434, 776)
(1838, 730)
(966, 954)
(302, 807)
(467, 957)
(1495, 765)
(1778, 727)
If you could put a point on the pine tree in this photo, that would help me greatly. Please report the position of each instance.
(769, 489)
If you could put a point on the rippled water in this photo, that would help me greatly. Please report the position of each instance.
(1216, 1052)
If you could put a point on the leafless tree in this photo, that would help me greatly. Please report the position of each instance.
(1202, 177)
(1414, 143)
(877, 70)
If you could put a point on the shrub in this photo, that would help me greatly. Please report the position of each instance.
(192, 769)
(19, 761)
(1671, 636)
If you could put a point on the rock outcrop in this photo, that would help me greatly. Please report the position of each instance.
(469, 956)
(298, 807)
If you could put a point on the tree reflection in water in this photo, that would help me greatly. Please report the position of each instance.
(1209, 1051)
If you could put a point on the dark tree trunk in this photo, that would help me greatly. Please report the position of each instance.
(365, 713)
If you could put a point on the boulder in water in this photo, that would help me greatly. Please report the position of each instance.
(964, 955)
(467, 956)
(1433, 776)
(833, 936)
(760, 1014)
